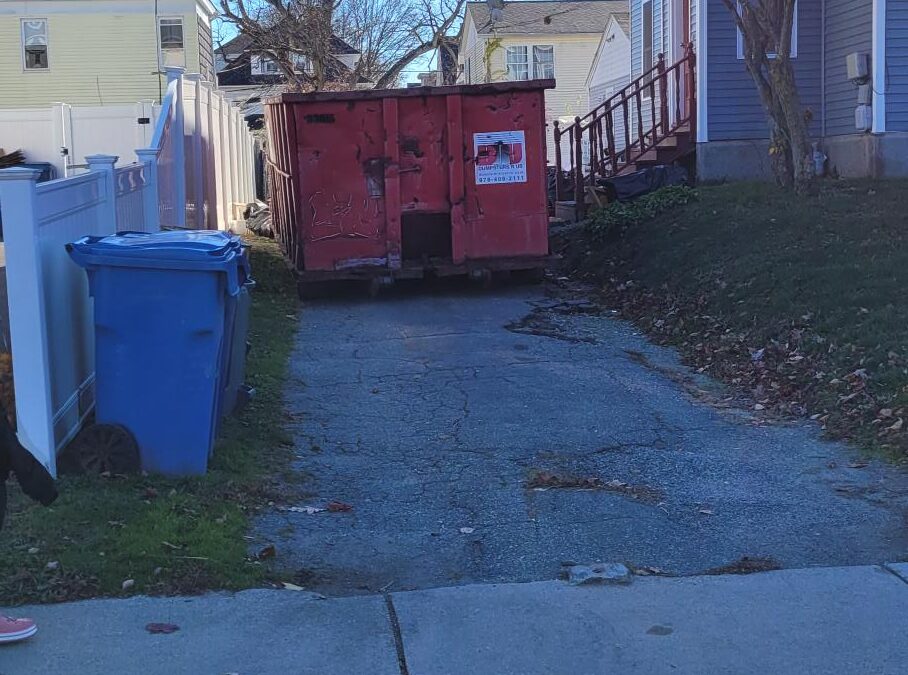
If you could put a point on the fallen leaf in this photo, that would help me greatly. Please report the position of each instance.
(33, 550)
(886, 412)
(265, 552)
(338, 507)
(759, 406)
(171, 546)
(162, 628)
(706, 512)
(857, 464)
(129, 583)
(291, 587)
(150, 493)
(897, 425)
(467, 530)
(52, 565)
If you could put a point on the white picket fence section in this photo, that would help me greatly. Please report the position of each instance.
(50, 312)
(62, 135)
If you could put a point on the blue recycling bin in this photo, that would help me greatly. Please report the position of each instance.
(164, 304)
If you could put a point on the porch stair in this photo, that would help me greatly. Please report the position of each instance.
(649, 122)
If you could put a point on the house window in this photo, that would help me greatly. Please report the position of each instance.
(517, 63)
(543, 62)
(171, 32)
(771, 54)
(34, 44)
(647, 54)
(301, 63)
(170, 38)
(262, 65)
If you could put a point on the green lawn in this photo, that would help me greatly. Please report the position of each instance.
(816, 282)
(168, 535)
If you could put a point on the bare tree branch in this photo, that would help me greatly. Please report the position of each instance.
(387, 34)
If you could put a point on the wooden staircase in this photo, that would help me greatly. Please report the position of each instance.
(652, 121)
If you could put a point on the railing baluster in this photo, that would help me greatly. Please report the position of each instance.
(663, 96)
(558, 187)
(594, 155)
(658, 122)
(676, 74)
(610, 140)
(603, 156)
(571, 145)
(654, 120)
(639, 101)
(627, 127)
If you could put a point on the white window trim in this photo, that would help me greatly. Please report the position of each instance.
(531, 55)
(646, 92)
(182, 31)
(528, 62)
(22, 21)
(794, 36)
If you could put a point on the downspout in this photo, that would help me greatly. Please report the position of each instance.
(702, 87)
(878, 67)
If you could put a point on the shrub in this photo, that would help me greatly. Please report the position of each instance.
(610, 221)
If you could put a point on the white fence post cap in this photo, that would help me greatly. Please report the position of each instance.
(19, 173)
(174, 73)
(101, 160)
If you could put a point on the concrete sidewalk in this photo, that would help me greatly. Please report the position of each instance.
(821, 620)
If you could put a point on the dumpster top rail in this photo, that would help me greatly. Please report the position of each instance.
(460, 89)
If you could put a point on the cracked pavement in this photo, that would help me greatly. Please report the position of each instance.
(427, 413)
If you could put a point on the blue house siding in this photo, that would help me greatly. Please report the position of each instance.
(660, 33)
(849, 28)
(897, 66)
(733, 105)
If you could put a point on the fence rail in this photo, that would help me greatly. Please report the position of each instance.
(50, 311)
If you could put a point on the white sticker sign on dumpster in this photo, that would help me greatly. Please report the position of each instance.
(500, 157)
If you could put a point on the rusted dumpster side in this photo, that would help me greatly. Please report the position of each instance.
(399, 183)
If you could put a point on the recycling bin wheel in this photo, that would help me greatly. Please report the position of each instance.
(104, 448)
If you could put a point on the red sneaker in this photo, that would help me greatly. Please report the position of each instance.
(13, 630)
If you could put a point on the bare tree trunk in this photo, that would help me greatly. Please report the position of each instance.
(766, 27)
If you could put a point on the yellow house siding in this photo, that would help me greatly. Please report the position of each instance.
(573, 56)
(191, 42)
(94, 59)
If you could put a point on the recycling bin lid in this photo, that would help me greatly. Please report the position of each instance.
(171, 245)
(177, 249)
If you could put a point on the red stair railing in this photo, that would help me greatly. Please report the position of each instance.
(606, 155)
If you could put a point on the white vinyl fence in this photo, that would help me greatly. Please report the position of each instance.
(50, 311)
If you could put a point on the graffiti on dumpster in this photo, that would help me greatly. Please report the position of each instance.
(337, 216)
(500, 157)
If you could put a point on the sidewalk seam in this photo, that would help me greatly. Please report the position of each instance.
(398, 637)
(891, 571)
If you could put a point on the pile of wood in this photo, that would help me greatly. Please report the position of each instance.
(8, 159)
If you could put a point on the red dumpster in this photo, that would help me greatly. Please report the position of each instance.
(404, 182)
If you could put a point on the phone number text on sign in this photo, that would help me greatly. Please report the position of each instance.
(500, 157)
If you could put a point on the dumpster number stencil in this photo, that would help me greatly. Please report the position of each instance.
(500, 157)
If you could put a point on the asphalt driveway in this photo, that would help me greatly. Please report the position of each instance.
(448, 422)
